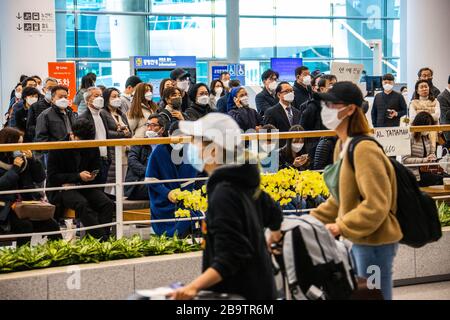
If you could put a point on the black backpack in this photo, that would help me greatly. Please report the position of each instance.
(417, 212)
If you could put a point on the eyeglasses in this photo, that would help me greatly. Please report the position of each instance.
(287, 91)
(204, 93)
(149, 124)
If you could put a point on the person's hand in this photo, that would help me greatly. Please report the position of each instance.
(431, 158)
(171, 196)
(86, 176)
(300, 161)
(258, 128)
(188, 292)
(274, 238)
(28, 154)
(393, 114)
(18, 162)
(334, 229)
(177, 115)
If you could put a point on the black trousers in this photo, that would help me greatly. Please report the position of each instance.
(92, 207)
(140, 192)
(431, 179)
(28, 226)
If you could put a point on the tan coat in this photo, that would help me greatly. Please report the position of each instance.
(368, 198)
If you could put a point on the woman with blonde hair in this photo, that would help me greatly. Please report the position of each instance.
(141, 108)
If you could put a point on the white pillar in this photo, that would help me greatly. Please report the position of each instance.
(428, 44)
(233, 46)
(24, 52)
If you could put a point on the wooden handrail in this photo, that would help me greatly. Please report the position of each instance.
(179, 139)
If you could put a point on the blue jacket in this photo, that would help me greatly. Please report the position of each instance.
(160, 166)
(221, 104)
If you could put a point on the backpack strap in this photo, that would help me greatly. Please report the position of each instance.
(352, 146)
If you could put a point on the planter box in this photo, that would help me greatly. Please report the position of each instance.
(117, 280)
(114, 280)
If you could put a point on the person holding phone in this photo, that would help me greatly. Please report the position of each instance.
(294, 154)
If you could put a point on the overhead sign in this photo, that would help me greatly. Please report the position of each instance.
(347, 71)
(286, 67)
(217, 71)
(164, 62)
(35, 21)
(237, 71)
(65, 73)
(396, 141)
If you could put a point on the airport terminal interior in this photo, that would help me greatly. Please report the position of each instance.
(224, 149)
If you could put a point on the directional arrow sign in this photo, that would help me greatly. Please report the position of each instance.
(19, 27)
(18, 15)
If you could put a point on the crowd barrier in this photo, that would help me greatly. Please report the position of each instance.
(119, 185)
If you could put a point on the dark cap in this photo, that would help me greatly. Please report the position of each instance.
(179, 74)
(132, 81)
(343, 92)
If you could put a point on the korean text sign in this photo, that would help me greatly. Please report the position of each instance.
(65, 73)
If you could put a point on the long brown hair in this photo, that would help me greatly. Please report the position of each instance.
(10, 135)
(135, 111)
(357, 124)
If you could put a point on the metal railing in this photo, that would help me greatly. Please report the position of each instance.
(119, 185)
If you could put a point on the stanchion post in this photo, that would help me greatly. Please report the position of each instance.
(119, 192)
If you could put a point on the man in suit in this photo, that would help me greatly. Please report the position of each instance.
(283, 115)
(302, 86)
(444, 101)
(266, 99)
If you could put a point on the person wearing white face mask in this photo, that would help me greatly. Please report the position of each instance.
(141, 108)
(19, 117)
(363, 200)
(217, 91)
(294, 154)
(55, 123)
(302, 86)
(246, 117)
(40, 106)
(267, 98)
(182, 82)
(200, 107)
(388, 106)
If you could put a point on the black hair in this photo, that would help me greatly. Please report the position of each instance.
(107, 95)
(83, 129)
(22, 77)
(212, 88)
(36, 77)
(223, 73)
(175, 126)
(424, 69)
(161, 86)
(280, 87)
(403, 88)
(388, 77)
(29, 91)
(287, 150)
(162, 121)
(87, 82)
(169, 92)
(234, 83)
(330, 77)
(416, 90)
(92, 75)
(59, 87)
(323, 82)
(422, 119)
(132, 81)
(24, 82)
(194, 89)
(269, 73)
(300, 70)
(17, 85)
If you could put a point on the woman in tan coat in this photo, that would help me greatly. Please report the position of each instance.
(362, 204)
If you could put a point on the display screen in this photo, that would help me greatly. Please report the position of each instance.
(286, 67)
(154, 77)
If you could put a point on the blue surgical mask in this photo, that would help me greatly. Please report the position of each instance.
(193, 157)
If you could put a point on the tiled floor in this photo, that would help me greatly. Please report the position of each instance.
(431, 291)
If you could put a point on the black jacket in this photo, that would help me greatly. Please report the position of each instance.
(33, 113)
(286, 160)
(235, 242)
(50, 125)
(195, 111)
(88, 115)
(302, 95)
(221, 104)
(111, 124)
(137, 165)
(382, 103)
(21, 116)
(264, 101)
(435, 91)
(277, 117)
(311, 119)
(444, 101)
(324, 155)
(247, 118)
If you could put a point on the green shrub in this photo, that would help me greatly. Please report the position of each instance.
(89, 250)
(444, 214)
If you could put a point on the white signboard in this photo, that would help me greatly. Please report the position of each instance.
(35, 21)
(347, 71)
(396, 141)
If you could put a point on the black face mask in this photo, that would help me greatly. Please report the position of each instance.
(176, 103)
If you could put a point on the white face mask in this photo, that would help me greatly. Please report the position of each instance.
(18, 95)
(183, 85)
(218, 91)
(151, 134)
(330, 117)
(149, 96)
(31, 100)
(48, 96)
(388, 87)
(244, 101)
(307, 80)
(203, 100)
(62, 103)
(98, 103)
(273, 86)
(297, 147)
(226, 83)
(289, 97)
(267, 147)
(115, 103)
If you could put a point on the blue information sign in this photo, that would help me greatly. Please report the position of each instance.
(286, 67)
(237, 71)
(164, 62)
(217, 70)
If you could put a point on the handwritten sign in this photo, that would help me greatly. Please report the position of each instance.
(347, 71)
(395, 141)
(65, 73)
